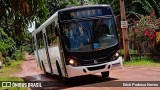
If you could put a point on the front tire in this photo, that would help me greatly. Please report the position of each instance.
(46, 74)
(105, 74)
(63, 79)
(59, 72)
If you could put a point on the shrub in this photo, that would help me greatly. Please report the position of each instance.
(29, 48)
(144, 30)
(7, 44)
(18, 55)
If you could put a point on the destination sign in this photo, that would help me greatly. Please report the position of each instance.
(85, 13)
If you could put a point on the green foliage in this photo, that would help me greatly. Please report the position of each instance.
(54, 5)
(16, 16)
(7, 72)
(144, 62)
(1, 57)
(134, 8)
(131, 51)
(12, 79)
(29, 48)
(7, 45)
(10, 70)
(73, 3)
(6, 61)
(3, 48)
(18, 55)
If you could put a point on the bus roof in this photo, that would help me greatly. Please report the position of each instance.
(85, 6)
(55, 15)
(47, 22)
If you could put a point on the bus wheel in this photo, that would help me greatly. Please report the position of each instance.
(44, 70)
(59, 71)
(105, 74)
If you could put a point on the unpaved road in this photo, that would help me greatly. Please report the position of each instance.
(31, 72)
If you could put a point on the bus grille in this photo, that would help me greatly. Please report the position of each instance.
(96, 68)
(99, 61)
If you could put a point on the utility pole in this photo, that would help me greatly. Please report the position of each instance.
(124, 26)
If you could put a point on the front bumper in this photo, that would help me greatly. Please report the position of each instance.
(85, 70)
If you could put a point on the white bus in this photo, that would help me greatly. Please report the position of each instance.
(78, 41)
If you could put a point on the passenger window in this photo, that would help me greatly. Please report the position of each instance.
(51, 37)
(37, 38)
(40, 41)
(33, 43)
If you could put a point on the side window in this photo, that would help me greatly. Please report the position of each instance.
(51, 37)
(37, 37)
(33, 43)
(48, 32)
(40, 41)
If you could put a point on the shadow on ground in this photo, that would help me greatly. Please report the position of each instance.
(53, 82)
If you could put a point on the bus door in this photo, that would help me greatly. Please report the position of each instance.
(47, 53)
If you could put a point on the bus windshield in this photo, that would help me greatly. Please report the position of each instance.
(89, 35)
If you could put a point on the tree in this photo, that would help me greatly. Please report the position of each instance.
(16, 15)
(54, 5)
(134, 8)
(7, 45)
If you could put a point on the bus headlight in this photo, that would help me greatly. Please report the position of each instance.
(115, 56)
(72, 62)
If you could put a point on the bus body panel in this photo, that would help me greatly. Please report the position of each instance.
(54, 56)
(43, 58)
(78, 71)
(36, 52)
(36, 58)
(41, 54)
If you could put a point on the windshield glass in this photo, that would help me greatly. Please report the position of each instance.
(89, 35)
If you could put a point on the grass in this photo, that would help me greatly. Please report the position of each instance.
(143, 62)
(10, 70)
(131, 51)
(6, 72)
(10, 79)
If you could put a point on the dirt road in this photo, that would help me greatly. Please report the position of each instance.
(31, 72)
(29, 67)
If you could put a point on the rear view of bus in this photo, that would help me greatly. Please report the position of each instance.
(89, 40)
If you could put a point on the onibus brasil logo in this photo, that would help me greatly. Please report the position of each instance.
(21, 84)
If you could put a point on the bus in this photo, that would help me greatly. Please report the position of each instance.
(78, 41)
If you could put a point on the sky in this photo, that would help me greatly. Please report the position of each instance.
(31, 27)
